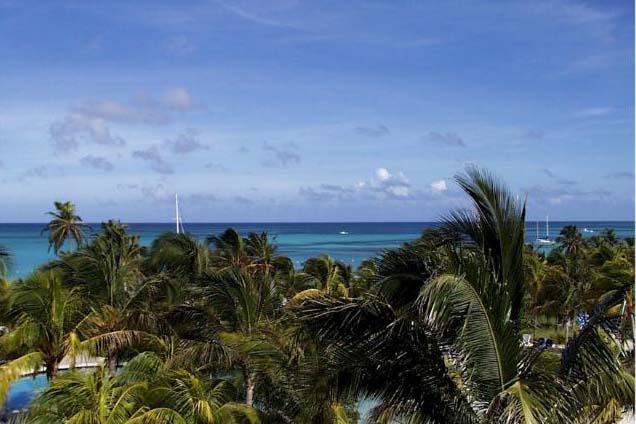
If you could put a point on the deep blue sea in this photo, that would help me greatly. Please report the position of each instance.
(299, 241)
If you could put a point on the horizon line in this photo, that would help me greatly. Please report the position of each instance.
(310, 222)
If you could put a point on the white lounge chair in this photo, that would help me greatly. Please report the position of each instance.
(527, 340)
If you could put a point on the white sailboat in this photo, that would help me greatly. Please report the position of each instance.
(177, 218)
(544, 241)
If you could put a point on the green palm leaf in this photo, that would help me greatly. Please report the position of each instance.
(16, 368)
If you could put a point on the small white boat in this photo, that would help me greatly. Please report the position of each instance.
(585, 230)
(544, 241)
(343, 232)
(177, 218)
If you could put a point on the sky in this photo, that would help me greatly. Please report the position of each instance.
(288, 110)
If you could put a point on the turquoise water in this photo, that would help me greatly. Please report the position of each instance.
(299, 241)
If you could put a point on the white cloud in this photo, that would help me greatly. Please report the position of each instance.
(89, 122)
(143, 110)
(439, 185)
(593, 112)
(185, 143)
(598, 22)
(398, 191)
(258, 12)
(561, 195)
(156, 161)
(282, 155)
(76, 127)
(156, 191)
(385, 179)
(382, 174)
(178, 99)
(574, 12)
(385, 185)
(97, 162)
(106, 109)
(42, 171)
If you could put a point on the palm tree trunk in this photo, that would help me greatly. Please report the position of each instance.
(51, 366)
(623, 321)
(249, 386)
(111, 359)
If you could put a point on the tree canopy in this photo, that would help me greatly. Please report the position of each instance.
(227, 330)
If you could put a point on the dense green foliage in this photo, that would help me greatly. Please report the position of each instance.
(228, 331)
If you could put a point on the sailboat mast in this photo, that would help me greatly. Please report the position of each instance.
(176, 207)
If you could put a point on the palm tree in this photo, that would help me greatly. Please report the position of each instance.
(482, 298)
(571, 239)
(46, 325)
(195, 396)
(446, 347)
(180, 255)
(44, 316)
(64, 227)
(254, 253)
(147, 391)
(97, 398)
(263, 254)
(535, 272)
(202, 401)
(399, 274)
(374, 347)
(110, 266)
(595, 367)
(430, 330)
(109, 272)
(609, 234)
(329, 275)
(6, 260)
(378, 352)
(230, 251)
(234, 317)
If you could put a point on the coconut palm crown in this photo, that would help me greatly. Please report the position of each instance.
(65, 227)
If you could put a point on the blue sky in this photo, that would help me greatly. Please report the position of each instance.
(314, 111)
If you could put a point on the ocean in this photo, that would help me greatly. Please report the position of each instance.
(346, 241)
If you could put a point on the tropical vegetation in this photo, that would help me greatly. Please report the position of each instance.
(448, 328)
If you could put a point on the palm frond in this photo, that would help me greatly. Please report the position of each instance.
(158, 416)
(118, 340)
(482, 342)
(16, 368)
(531, 401)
